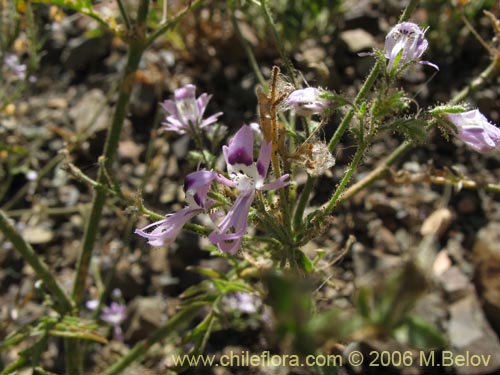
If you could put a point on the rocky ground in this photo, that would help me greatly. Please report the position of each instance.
(69, 107)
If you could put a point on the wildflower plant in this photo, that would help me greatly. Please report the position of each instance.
(254, 191)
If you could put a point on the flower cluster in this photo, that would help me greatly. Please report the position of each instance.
(245, 175)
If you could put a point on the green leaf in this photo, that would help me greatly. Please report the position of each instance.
(363, 305)
(83, 335)
(420, 334)
(413, 129)
(395, 64)
(391, 104)
(444, 109)
(213, 274)
(81, 6)
(304, 261)
(290, 299)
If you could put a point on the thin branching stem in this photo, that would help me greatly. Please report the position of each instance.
(183, 316)
(124, 14)
(173, 22)
(278, 41)
(248, 50)
(382, 169)
(62, 302)
(410, 8)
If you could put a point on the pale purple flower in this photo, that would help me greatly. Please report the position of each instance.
(185, 112)
(407, 39)
(115, 314)
(308, 101)
(92, 304)
(474, 129)
(12, 62)
(244, 302)
(165, 231)
(247, 176)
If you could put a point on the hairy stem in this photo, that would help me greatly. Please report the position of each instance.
(358, 156)
(382, 169)
(344, 124)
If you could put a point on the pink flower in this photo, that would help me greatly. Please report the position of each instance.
(165, 231)
(247, 176)
(474, 129)
(185, 112)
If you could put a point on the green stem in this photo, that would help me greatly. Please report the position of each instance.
(25, 189)
(142, 347)
(124, 14)
(136, 48)
(377, 173)
(410, 8)
(248, 50)
(277, 39)
(302, 204)
(62, 304)
(490, 71)
(362, 94)
(12, 368)
(73, 356)
(110, 148)
(358, 156)
(382, 169)
(170, 24)
(344, 124)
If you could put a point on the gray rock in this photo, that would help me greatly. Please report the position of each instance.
(82, 51)
(358, 40)
(487, 269)
(90, 111)
(470, 334)
(455, 284)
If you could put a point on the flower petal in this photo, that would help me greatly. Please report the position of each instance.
(166, 230)
(474, 129)
(228, 234)
(240, 148)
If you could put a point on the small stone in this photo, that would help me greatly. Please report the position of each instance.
(37, 235)
(81, 52)
(487, 268)
(129, 150)
(358, 40)
(57, 103)
(455, 284)
(158, 259)
(442, 263)
(145, 315)
(437, 222)
(89, 111)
